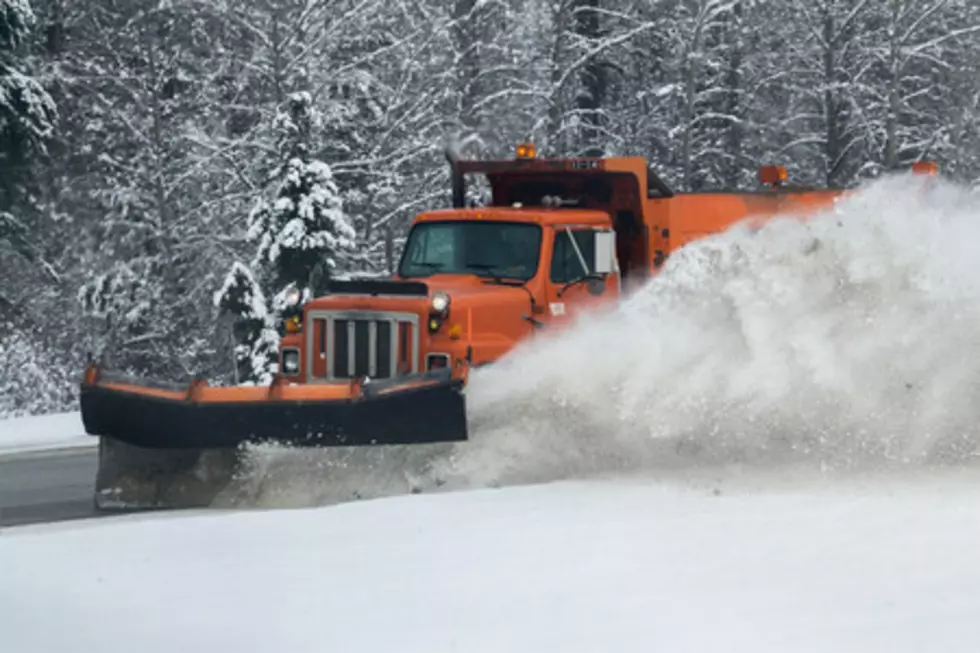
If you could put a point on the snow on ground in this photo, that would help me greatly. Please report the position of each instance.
(42, 432)
(740, 565)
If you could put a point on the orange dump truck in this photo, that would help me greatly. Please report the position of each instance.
(384, 362)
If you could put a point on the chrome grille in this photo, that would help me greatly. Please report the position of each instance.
(348, 344)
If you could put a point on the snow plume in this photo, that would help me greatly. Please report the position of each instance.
(845, 343)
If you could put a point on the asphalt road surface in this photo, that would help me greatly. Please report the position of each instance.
(47, 486)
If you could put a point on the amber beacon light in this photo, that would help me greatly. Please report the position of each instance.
(925, 168)
(773, 176)
(526, 151)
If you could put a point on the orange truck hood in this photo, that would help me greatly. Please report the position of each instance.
(464, 290)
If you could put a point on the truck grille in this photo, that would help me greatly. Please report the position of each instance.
(348, 345)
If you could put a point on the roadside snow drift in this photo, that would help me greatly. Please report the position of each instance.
(41, 432)
(752, 565)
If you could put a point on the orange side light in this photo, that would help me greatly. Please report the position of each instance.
(526, 151)
(772, 175)
(925, 168)
(293, 324)
(91, 374)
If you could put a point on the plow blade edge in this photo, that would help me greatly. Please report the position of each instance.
(165, 447)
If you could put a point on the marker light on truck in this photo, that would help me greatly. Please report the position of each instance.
(294, 324)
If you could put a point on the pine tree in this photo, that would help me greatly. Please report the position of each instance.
(256, 339)
(26, 115)
(26, 108)
(301, 235)
(32, 381)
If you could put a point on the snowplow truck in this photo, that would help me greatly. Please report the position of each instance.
(385, 362)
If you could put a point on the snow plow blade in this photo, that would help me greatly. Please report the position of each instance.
(163, 446)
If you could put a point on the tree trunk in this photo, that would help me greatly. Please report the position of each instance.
(592, 77)
(465, 34)
(733, 103)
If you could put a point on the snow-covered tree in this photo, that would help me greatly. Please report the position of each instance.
(33, 379)
(302, 229)
(301, 235)
(253, 325)
(918, 50)
(26, 115)
(26, 108)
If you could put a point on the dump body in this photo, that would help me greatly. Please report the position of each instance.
(685, 218)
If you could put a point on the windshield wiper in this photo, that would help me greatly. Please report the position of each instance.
(428, 265)
(494, 277)
(591, 276)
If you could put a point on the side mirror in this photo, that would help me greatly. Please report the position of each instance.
(605, 252)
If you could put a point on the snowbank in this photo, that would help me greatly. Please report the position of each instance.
(600, 566)
(41, 432)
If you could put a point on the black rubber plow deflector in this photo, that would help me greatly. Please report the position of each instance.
(421, 415)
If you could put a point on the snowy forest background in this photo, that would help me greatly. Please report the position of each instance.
(154, 151)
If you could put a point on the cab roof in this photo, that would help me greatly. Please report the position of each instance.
(536, 214)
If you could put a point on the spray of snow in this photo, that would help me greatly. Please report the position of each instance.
(849, 341)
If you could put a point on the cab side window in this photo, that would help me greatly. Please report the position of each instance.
(565, 262)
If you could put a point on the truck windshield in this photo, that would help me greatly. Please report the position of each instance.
(491, 249)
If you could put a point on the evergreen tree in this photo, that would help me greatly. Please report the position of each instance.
(256, 340)
(26, 115)
(301, 235)
(26, 109)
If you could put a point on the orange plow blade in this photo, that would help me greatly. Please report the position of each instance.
(167, 446)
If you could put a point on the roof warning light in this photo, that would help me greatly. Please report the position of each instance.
(526, 151)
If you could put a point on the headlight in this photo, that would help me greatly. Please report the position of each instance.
(290, 362)
(292, 297)
(440, 302)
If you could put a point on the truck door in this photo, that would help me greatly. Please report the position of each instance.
(583, 272)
